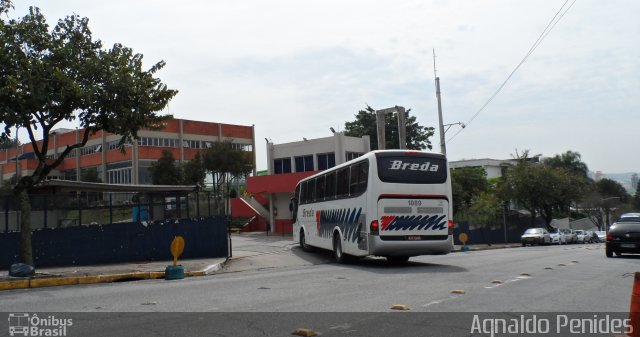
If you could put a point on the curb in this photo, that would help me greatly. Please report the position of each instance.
(483, 247)
(107, 278)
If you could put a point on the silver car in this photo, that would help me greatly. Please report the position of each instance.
(535, 236)
(582, 236)
(570, 235)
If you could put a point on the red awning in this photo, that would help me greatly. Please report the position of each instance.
(276, 183)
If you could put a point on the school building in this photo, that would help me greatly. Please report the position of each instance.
(184, 138)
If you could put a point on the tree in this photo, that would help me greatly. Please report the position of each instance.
(165, 171)
(570, 161)
(194, 171)
(90, 175)
(365, 125)
(467, 183)
(8, 143)
(484, 207)
(225, 163)
(63, 74)
(612, 195)
(541, 189)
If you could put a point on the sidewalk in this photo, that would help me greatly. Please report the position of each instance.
(245, 245)
(58, 276)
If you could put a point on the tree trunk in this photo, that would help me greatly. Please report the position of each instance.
(26, 252)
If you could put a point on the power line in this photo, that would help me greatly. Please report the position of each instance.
(556, 18)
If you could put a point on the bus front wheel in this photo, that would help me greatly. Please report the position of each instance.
(303, 242)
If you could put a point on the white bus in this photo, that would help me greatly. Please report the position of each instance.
(391, 203)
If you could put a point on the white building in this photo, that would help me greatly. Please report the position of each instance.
(288, 164)
(495, 167)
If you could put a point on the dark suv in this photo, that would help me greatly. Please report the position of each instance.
(624, 235)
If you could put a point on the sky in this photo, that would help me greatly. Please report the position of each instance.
(295, 68)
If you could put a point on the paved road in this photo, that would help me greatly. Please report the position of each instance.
(271, 288)
(278, 277)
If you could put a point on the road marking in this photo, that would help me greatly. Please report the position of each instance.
(434, 302)
(304, 332)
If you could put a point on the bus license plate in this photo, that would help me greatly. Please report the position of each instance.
(414, 238)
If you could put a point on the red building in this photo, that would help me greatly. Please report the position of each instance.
(184, 138)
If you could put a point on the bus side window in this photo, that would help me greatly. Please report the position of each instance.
(353, 182)
(310, 195)
(359, 173)
(319, 188)
(303, 193)
(330, 186)
(342, 185)
(363, 176)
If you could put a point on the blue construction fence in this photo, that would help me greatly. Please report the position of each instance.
(206, 237)
(507, 229)
(72, 209)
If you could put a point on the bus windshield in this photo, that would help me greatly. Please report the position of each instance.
(411, 168)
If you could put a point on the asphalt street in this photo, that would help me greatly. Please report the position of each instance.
(282, 278)
(271, 288)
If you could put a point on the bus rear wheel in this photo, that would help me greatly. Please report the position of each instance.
(337, 249)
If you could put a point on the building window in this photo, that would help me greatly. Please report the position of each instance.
(119, 176)
(282, 165)
(91, 149)
(326, 161)
(241, 147)
(352, 155)
(158, 142)
(304, 163)
(113, 145)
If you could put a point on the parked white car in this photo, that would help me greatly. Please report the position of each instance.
(557, 237)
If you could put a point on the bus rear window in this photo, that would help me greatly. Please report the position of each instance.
(411, 169)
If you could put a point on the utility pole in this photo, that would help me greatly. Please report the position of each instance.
(443, 148)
